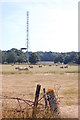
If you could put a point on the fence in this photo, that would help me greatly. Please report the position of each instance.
(45, 105)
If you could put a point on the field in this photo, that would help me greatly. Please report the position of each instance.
(17, 83)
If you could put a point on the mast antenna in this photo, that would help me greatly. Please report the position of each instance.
(27, 42)
(27, 33)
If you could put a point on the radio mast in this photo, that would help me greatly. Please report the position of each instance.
(27, 34)
(27, 42)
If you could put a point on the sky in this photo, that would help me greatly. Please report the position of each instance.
(53, 25)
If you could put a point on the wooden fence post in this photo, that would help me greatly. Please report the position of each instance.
(36, 100)
(53, 103)
(45, 98)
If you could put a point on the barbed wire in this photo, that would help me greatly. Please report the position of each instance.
(25, 105)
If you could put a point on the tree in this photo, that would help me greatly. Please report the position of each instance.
(11, 58)
(4, 56)
(33, 59)
(14, 55)
(22, 58)
(47, 56)
(58, 58)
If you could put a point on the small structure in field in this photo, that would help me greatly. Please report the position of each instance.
(40, 66)
(61, 66)
(66, 66)
(30, 66)
(50, 65)
(56, 64)
(21, 68)
(16, 67)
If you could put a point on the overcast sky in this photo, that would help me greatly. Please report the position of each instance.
(53, 25)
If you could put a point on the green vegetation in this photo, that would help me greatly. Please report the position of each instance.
(14, 56)
(18, 56)
(33, 59)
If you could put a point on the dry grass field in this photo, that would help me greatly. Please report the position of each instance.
(17, 83)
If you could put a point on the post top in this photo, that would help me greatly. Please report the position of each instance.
(50, 90)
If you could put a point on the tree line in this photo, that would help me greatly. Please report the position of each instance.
(18, 56)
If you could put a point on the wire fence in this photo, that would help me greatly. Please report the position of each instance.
(21, 107)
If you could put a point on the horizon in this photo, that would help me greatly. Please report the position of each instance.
(41, 51)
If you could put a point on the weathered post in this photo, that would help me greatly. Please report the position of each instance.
(53, 103)
(45, 98)
(36, 100)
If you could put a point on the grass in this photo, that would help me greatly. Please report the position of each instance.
(18, 83)
(71, 91)
(9, 69)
